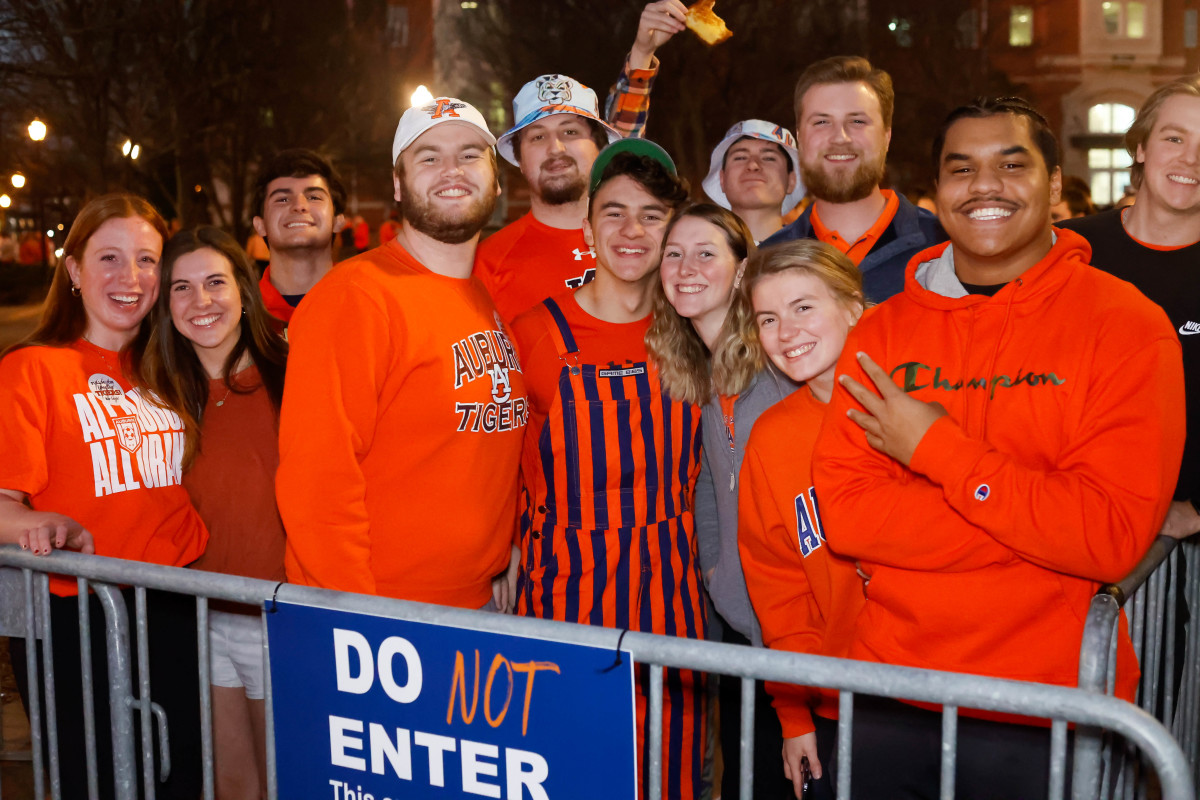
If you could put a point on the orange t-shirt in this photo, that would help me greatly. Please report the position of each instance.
(806, 597)
(79, 441)
(400, 434)
(232, 481)
(860, 247)
(526, 262)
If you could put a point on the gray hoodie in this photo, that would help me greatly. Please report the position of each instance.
(716, 498)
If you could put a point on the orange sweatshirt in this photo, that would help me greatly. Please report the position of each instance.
(527, 261)
(806, 597)
(400, 435)
(1051, 473)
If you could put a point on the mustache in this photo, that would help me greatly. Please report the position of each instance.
(986, 202)
(559, 161)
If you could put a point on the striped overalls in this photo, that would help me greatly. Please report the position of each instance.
(610, 540)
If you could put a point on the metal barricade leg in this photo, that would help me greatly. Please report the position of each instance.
(845, 743)
(203, 643)
(89, 689)
(746, 779)
(1094, 663)
(120, 691)
(35, 708)
(654, 732)
(949, 750)
(272, 781)
(48, 686)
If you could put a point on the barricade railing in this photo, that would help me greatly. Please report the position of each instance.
(950, 690)
(1164, 583)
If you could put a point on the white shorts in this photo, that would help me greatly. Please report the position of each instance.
(235, 652)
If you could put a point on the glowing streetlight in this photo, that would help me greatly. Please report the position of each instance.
(421, 97)
(18, 180)
(37, 130)
(135, 151)
(125, 148)
(5, 201)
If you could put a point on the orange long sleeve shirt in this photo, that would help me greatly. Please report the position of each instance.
(1051, 473)
(400, 434)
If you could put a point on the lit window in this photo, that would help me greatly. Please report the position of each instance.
(1124, 18)
(1108, 167)
(1110, 118)
(1020, 26)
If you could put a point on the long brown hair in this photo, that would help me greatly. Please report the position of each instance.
(168, 364)
(64, 319)
(673, 344)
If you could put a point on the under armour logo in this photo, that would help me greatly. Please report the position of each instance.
(579, 254)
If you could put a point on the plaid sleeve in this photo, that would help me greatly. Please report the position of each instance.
(628, 104)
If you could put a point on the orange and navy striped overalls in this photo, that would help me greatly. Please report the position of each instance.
(610, 538)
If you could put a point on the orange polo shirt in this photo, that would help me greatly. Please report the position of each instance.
(858, 249)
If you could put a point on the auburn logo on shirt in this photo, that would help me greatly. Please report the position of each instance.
(810, 533)
(488, 353)
(133, 443)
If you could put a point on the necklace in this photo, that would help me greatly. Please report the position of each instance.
(228, 389)
(103, 354)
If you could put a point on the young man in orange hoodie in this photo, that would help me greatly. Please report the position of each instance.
(1007, 436)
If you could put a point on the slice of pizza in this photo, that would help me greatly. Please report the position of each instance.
(706, 24)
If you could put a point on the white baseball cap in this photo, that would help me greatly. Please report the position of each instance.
(419, 119)
(755, 129)
(545, 96)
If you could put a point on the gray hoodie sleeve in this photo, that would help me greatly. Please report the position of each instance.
(707, 536)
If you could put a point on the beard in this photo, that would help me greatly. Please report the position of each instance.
(448, 228)
(843, 189)
(563, 188)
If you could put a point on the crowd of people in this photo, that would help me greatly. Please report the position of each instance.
(874, 431)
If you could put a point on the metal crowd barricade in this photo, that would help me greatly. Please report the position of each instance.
(1166, 581)
(951, 691)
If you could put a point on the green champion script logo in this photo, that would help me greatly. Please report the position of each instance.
(915, 371)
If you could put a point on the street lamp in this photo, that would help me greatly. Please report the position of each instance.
(421, 97)
(37, 130)
(5, 201)
(18, 180)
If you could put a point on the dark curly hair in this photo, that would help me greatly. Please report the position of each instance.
(652, 175)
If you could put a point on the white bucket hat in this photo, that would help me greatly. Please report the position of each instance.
(419, 119)
(755, 129)
(545, 96)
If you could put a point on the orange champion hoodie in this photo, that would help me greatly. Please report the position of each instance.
(1051, 473)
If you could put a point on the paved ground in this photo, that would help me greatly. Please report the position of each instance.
(16, 321)
(16, 775)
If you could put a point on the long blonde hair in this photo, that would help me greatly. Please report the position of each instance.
(741, 356)
(673, 344)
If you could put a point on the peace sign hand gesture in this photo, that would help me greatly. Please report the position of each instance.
(894, 421)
